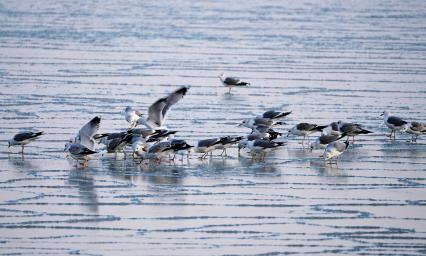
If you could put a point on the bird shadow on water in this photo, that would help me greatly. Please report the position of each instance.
(20, 163)
(84, 182)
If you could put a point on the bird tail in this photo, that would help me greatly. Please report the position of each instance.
(283, 114)
(279, 144)
(364, 131)
(319, 128)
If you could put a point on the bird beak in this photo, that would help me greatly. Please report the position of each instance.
(239, 125)
(382, 114)
(288, 134)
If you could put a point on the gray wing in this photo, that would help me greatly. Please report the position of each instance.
(86, 133)
(232, 80)
(396, 121)
(173, 98)
(155, 111)
(262, 121)
(141, 132)
(261, 129)
(26, 135)
(305, 126)
(263, 144)
(80, 150)
(350, 128)
(270, 114)
(159, 147)
(327, 139)
(207, 142)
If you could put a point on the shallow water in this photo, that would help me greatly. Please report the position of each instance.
(62, 62)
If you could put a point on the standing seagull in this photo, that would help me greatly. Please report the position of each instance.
(158, 110)
(394, 123)
(231, 82)
(261, 146)
(79, 152)
(352, 129)
(416, 129)
(23, 139)
(325, 139)
(335, 149)
(304, 129)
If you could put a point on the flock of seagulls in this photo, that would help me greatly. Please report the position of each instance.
(149, 138)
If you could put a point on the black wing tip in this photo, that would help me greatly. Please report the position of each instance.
(183, 90)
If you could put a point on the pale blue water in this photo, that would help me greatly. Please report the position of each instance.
(63, 62)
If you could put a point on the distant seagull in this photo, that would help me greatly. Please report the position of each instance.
(272, 114)
(304, 129)
(334, 150)
(80, 152)
(352, 129)
(394, 123)
(158, 110)
(261, 146)
(232, 82)
(322, 141)
(132, 116)
(416, 129)
(23, 139)
(87, 132)
(206, 146)
(257, 121)
(227, 142)
(250, 137)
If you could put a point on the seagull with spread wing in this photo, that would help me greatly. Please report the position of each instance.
(158, 110)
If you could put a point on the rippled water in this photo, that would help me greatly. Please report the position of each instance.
(63, 62)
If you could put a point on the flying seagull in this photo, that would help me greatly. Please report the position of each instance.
(23, 139)
(232, 82)
(158, 110)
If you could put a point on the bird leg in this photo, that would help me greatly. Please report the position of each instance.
(22, 151)
(229, 92)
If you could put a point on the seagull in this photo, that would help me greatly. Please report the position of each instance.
(80, 152)
(227, 142)
(351, 129)
(231, 82)
(105, 138)
(272, 114)
(206, 146)
(325, 139)
(416, 129)
(132, 116)
(158, 151)
(261, 146)
(86, 133)
(334, 150)
(180, 146)
(304, 129)
(158, 110)
(259, 121)
(266, 132)
(119, 143)
(23, 139)
(139, 146)
(394, 123)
